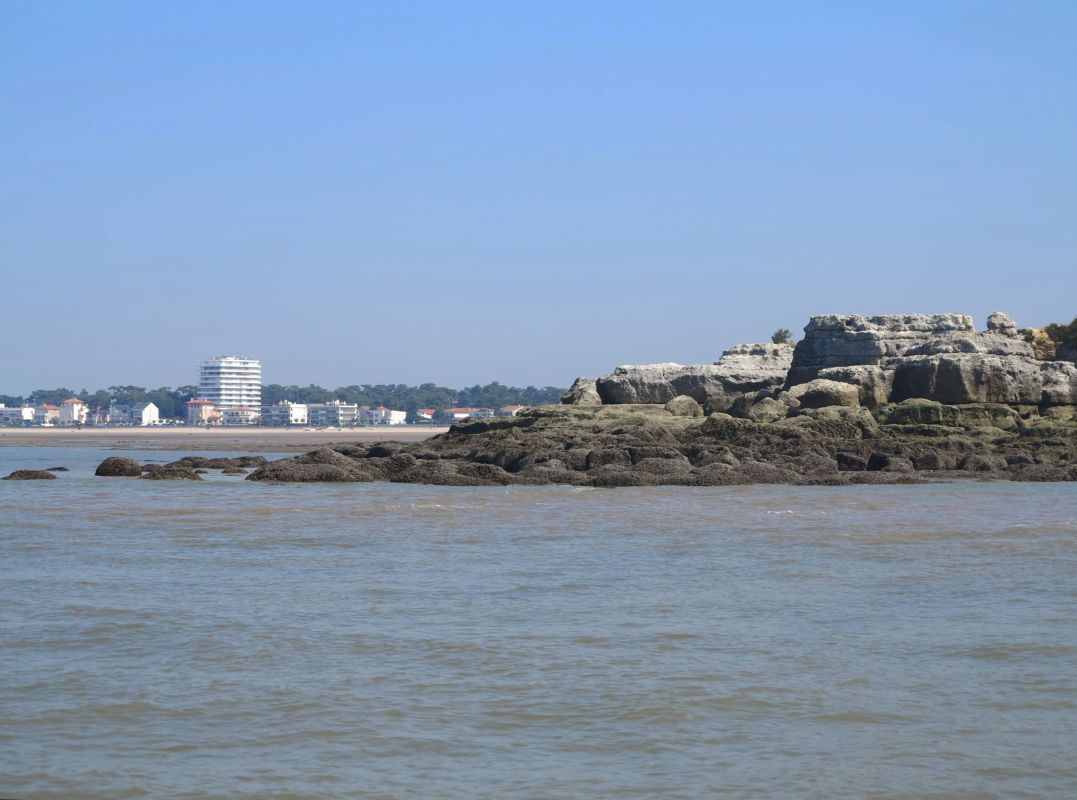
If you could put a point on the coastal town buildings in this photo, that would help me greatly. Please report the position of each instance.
(231, 381)
(19, 415)
(384, 416)
(46, 414)
(73, 412)
(464, 413)
(240, 415)
(284, 413)
(141, 414)
(511, 411)
(334, 414)
(201, 412)
(426, 414)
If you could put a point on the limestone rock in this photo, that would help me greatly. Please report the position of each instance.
(660, 383)
(744, 368)
(684, 406)
(821, 393)
(837, 340)
(873, 383)
(1002, 324)
(582, 393)
(981, 343)
(119, 467)
(969, 378)
(1059, 383)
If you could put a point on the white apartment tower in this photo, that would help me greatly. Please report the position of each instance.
(231, 381)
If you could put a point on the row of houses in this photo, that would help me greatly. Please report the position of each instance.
(335, 414)
(201, 411)
(75, 412)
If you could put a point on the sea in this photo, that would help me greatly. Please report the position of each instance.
(230, 639)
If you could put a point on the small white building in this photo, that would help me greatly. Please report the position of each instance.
(19, 415)
(141, 414)
(426, 414)
(384, 416)
(465, 412)
(240, 415)
(73, 412)
(284, 413)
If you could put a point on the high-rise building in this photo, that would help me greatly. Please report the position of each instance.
(231, 381)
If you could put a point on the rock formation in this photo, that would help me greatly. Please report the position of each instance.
(30, 475)
(119, 467)
(743, 368)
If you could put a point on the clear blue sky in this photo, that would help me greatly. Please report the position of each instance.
(463, 192)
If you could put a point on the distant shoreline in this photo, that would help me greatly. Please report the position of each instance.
(276, 440)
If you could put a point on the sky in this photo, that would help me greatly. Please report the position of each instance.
(372, 192)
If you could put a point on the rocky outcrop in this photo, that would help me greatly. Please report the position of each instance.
(644, 445)
(684, 406)
(119, 467)
(743, 368)
(837, 340)
(1043, 346)
(170, 472)
(874, 384)
(1059, 383)
(30, 475)
(582, 393)
(969, 378)
(821, 393)
(202, 462)
(1002, 324)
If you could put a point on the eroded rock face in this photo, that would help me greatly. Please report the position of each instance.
(874, 384)
(969, 378)
(1059, 383)
(684, 406)
(821, 393)
(994, 344)
(582, 393)
(1002, 324)
(740, 369)
(846, 340)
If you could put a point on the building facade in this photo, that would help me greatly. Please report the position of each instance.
(240, 415)
(284, 413)
(231, 382)
(137, 414)
(201, 412)
(333, 415)
(46, 414)
(17, 416)
(384, 416)
(73, 412)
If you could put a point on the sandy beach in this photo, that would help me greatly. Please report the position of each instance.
(283, 440)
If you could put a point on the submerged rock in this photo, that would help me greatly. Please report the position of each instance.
(119, 467)
(169, 472)
(30, 475)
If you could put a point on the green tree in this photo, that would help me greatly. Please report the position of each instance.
(782, 336)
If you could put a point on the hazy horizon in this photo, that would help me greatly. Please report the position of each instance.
(461, 194)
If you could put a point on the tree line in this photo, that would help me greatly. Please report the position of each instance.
(171, 402)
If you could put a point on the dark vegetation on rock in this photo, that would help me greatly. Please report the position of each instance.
(646, 445)
(119, 467)
(30, 475)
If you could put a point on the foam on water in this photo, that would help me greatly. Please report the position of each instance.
(231, 639)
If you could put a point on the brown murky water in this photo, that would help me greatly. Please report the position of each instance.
(238, 640)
